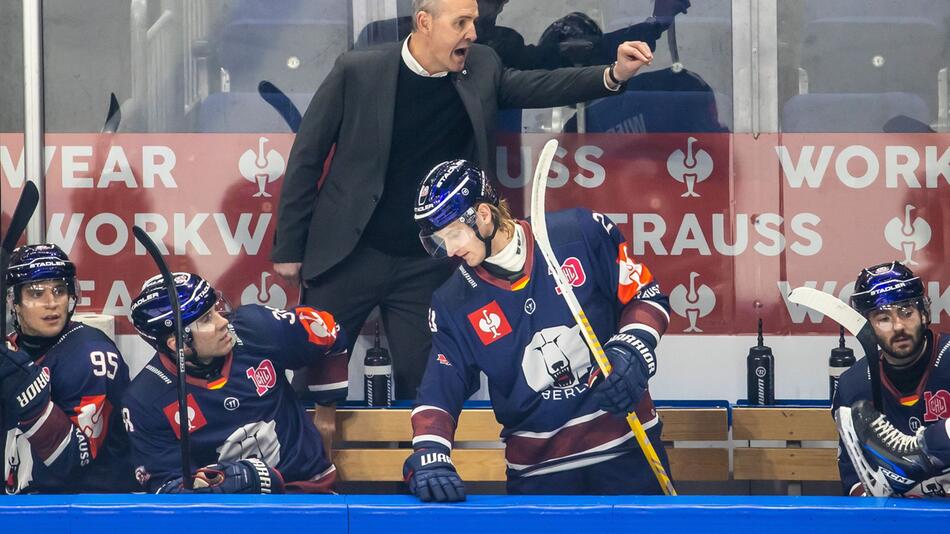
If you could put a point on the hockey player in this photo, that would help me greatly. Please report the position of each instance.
(246, 426)
(906, 449)
(501, 314)
(61, 383)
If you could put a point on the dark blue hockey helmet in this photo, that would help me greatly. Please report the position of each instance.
(152, 312)
(886, 285)
(35, 263)
(451, 192)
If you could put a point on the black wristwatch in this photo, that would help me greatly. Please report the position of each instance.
(612, 76)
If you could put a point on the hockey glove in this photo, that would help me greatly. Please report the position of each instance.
(243, 476)
(887, 460)
(25, 386)
(633, 362)
(432, 477)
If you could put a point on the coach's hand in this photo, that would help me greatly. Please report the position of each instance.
(289, 272)
(631, 56)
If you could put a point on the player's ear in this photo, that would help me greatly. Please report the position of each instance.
(170, 343)
(484, 213)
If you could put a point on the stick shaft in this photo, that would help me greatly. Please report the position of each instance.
(539, 228)
(183, 422)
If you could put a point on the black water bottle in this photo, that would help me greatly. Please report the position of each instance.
(841, 359)
(378, 375)
(760, 377)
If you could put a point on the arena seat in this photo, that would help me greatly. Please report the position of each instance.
(850, 112)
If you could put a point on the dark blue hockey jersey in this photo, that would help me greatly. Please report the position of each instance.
(79, 444)
(523, 337)
(249, 411)
(929, 403)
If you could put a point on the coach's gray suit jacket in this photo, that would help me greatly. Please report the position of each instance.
(353, 109)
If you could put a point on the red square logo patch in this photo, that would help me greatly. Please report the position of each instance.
(196, 419)
(490, 323)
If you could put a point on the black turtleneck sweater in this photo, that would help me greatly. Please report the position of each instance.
(430, 125)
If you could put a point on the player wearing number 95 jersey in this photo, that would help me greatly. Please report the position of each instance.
(60, 386)
(247, 429)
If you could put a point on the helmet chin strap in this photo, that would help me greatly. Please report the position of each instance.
(487, 240)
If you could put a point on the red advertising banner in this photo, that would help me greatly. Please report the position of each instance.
(727, 223)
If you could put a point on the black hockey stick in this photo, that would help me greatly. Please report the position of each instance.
(29, 199)
(183, 422)
(281, 103)
(113, 117)
(853, 322)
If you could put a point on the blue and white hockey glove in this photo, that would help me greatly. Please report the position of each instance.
(243, 476)
(24, 385)
(432, 477)
(633, 363)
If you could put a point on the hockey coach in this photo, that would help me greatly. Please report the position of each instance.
(388, 115)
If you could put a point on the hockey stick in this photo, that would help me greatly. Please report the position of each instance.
(183, 422)
(113, 116)
(853, 322)
(29, 199)
(539, 228)
(281, 103)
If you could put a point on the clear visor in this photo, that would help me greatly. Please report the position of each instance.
(207, 322)
(44, 292)
(885, 317)
(449, 239)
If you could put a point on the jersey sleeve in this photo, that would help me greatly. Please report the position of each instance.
(156, 451)
(70, 433)
(644, 308)
(300, 338)
(450, 378)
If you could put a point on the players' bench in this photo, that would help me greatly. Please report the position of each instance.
(365, 437)
(791, 462)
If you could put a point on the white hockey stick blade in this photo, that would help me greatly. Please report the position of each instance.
(539, 223)
(829, 305)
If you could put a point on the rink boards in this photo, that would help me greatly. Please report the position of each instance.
(379, 514)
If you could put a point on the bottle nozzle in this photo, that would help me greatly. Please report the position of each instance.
(376, 340)
(760, 332)
(840, 337)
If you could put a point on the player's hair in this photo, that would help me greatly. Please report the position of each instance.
(429, 6)
(501, 216)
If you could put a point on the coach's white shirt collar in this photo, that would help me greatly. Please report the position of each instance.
(414, 65)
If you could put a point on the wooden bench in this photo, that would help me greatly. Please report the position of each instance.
(791, 462)
(365, 447)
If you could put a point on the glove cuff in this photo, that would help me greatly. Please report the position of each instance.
(637, 346)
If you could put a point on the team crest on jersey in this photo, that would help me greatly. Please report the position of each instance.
(92, 418)
(937, 405)
(443, 360)
(490, 323)
(196, 419)
(557, 362)
(320, 326)
(264, 377)
(573, 273)
(633, 276)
